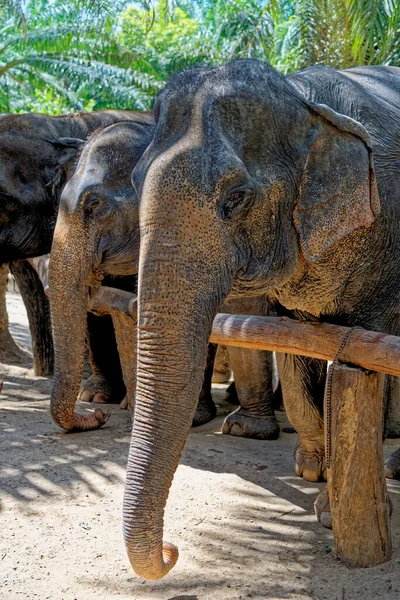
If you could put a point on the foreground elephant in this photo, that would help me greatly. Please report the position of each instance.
(97, 234)
(37, 155)
(252, 186)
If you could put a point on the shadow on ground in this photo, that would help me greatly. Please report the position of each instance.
(243, 521)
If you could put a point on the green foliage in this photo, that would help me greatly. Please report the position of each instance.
(57, 56)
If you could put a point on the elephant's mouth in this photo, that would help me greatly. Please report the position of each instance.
(121, 259)
(117, 266)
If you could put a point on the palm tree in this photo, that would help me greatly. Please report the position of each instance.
(101, 53)
(68, 55)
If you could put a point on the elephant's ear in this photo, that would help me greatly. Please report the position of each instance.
(338, 191)
(67, 148)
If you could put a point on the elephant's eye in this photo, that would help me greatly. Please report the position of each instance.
(91, 204)
(236, 199)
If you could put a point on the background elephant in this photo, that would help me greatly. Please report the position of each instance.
(97, 234)
(252, 186)
(37, 155)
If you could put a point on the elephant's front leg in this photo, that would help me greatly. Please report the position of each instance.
(206, 409)
(303, 385)
(255, 417)
(106, 384)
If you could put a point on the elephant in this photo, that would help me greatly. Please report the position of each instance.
(97, 235)
(255, 183)
(37, 155)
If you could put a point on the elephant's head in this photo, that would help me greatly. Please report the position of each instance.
(32, 172)
(242, 187)
(97, 233)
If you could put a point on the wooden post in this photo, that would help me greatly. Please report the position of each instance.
(108, 299)
(356, 481)
(126, 334)
(121, 306)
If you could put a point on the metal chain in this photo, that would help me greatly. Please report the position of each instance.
(328, 399)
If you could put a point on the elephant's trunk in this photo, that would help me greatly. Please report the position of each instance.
(173, 332)
(70, 268)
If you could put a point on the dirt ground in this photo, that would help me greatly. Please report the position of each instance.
(243, 521)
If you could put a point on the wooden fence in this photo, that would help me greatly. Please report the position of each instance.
(353, 419)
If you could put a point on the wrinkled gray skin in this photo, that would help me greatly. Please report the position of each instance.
(96, 235)
(99, 200)
(37, 155)
(250, 187)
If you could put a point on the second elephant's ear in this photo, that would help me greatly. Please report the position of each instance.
(338, 191)
(67, 147)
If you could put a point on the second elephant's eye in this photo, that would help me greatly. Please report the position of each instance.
(91, 204)
(236, 199)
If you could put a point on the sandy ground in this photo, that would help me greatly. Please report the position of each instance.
(243, 521)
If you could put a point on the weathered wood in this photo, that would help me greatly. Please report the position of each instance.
(126, 333)
(121, 306)
(356, 481)
(368, 349)
(110, 299)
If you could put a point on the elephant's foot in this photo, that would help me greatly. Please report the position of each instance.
(97, 389)
(322, 508)
(231, 396)
(392, 465)
(205, 411)
(309, 459)
(243, 423)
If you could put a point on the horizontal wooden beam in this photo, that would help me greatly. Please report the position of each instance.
(109, 299)
(368, 349)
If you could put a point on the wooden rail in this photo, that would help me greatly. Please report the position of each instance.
(368, 349)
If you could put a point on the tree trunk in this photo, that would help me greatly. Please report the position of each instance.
(10, 352)
(356, 480)
(38, 310)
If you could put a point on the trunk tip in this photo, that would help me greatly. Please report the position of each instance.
(76, 422)
(152, 572)
(170, 555)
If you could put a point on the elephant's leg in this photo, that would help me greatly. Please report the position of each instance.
(277, 402)
(206, 409)
(106, 384)
(392, 465)
(393, 409)
(255, 417)
(303, 385)
(231, 394)
(392, 423)
(38, 310)
(222, 368)
(9, 351)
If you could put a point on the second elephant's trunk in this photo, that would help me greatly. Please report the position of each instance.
(69, 273)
